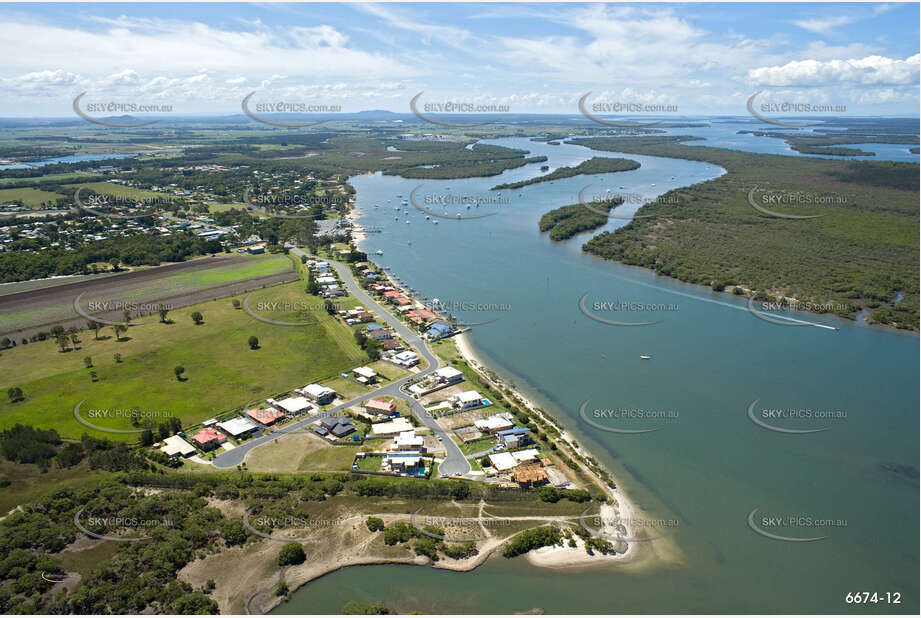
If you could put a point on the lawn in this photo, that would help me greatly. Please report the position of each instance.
(370, 463)
(29, 196)
(469, 448)
(221, 371)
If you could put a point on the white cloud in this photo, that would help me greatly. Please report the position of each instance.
(871, 70)
(824, 25)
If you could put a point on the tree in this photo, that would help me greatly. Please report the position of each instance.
(94, 326)
(74, 340)
(163, 313)
(62, 342)
(236, 303)
(179, 370)
(93, 376)
(281, 589)
(330, 307)
(87, 361)
(117, 357)
(361, 338)
(15, 394)
(374, 524)
(147, 438)
(119, 330)
(197, 318)
(114, 263)
(127, 315)
(253, 342)
(291, 553)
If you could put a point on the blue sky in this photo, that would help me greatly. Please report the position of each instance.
(532, 58)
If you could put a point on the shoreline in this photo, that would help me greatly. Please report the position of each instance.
(617, 517)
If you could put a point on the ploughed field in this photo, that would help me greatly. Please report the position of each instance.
(26, 310)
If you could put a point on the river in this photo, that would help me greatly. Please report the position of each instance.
(707, 465)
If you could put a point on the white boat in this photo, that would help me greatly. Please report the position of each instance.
(379, 252)
(645, 356)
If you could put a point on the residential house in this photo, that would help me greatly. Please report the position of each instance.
(209, 438)
(391, 428)
(495, 423)
(365, 375)
(319, 394)
(447, 375)
(265, 416)
(515, 437)
(467, 400)
(407, 441)
(336, 426)
(408, 463)
(238, 427)
(175, 446)
(407, 358)
(380, 406)
(439, 330)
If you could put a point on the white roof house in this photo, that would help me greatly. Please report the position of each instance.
(467, 399)
(391, 428)
(529, 454)
(238, 426)
(317, 390)
(494, 423)
(406, 358)
(326, 279)
(294, 405)
(503, 461)
(365, 372)
(175, 445)
(407, 440)
(448, 374)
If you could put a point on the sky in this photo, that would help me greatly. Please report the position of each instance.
(700, 59)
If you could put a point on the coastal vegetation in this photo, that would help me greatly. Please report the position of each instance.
(859, 254)
(567, 221)
(595, 165)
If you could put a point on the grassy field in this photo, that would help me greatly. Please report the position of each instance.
(116, 190)
(28, 482)
(33, 180)
(29, 196)
(222, 372)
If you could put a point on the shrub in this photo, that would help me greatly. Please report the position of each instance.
(291, 553)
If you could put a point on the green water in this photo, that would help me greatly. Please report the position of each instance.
(709, 466)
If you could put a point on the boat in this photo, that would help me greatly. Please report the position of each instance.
(435, 222)
(645, 356)
(379, 252)
(407, 222)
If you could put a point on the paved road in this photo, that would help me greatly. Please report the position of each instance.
(454, 464)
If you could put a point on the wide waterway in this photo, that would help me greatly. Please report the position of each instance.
(707, 465)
